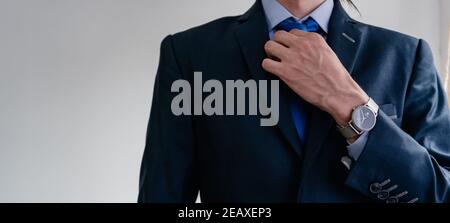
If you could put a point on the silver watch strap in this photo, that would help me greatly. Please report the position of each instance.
(373, 106)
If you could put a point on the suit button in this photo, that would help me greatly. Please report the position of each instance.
(383, 195)
(375, 188)
(392, 200)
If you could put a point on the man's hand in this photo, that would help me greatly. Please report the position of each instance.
(306, 63)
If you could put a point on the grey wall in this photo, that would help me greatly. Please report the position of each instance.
(76, 80)
(445, 41)
(420, 18)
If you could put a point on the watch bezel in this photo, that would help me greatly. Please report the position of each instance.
(350, 130)
(356, 125)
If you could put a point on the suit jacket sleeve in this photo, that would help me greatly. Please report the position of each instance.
(415, 157)
(168, 167)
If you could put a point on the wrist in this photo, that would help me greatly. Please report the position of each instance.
(341, 107)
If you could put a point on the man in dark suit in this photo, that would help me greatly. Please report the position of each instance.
(363, 115)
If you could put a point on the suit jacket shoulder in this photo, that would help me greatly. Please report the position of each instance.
(385, 39)
(206, 34)
(210, 43)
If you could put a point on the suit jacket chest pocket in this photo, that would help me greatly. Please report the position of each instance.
(391, 111)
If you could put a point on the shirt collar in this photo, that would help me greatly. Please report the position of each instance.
(276, 13)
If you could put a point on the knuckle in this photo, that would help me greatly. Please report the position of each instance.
(298, 43)
(295, 31)
(268, 46)
(279, 34)
(315, 36)
(266, 63)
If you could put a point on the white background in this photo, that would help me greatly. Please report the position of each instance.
(76, 79)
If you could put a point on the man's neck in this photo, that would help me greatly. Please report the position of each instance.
(301, 8)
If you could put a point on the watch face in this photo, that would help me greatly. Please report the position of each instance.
(364, 118)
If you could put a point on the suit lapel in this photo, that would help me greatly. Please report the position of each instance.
(252, 34)
(344, 38)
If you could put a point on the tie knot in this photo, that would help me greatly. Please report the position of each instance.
(309, 25)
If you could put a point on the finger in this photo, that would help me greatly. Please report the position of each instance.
(299, 33)
(285, 38)
(272, 66)
(276, 50)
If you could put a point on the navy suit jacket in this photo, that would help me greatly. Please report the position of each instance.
(233, 159)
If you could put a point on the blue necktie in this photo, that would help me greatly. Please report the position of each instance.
(298, 107)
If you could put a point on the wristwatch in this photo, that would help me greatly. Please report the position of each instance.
(364, 118)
